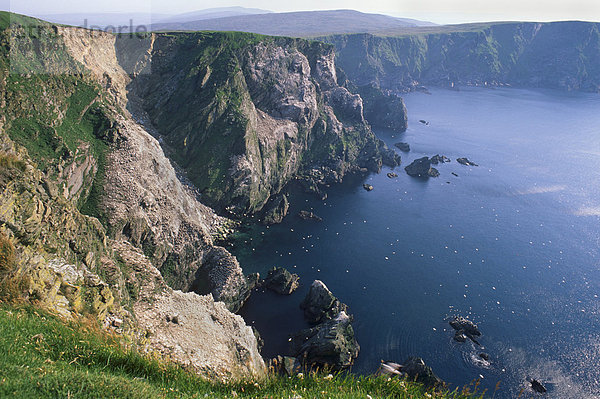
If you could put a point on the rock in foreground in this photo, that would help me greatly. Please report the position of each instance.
(416, 369)
(281, 281)
(329, 344)
(320, 304)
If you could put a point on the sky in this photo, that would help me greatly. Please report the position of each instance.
(438, 11)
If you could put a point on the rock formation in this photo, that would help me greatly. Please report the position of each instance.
(421, 168)
(281, 281)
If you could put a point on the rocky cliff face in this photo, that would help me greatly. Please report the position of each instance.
(90, 207)
(562, 55)
(244, 114)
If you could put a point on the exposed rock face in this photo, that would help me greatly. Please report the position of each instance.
(281, 281)
(194, 330)
(99, 160)
(329, 344)
(562, 55)
(421, 168)
(416, 369)
(320, 304)
(276, 210)
(242, 132)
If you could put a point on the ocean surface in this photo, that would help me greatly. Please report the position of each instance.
(513, 244)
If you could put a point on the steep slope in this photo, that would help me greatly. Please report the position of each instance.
(563, 55)
(246, 114)
(89, 206)
(297, 24)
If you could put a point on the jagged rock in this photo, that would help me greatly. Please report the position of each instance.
(320, 304)
(385, 110)
(466, 162)
(222, 276)
(537, 386)
(459, 336)
(404, 147)
(281, 281)
(462, 324)
(305, 215)
(276, 210)
(390, 157)
(421, 168)
(484, 356)
(439, 159)
(465, 329)
(329, 344)
(260, 342)
(368, 187)
(416, 369)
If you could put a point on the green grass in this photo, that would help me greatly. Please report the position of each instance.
(44, 357)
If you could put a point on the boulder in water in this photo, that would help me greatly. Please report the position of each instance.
(306, 215)
(466, 162)
(281, 281)
(320, 305)
(404, 147)
(330, 344)
(421, 168)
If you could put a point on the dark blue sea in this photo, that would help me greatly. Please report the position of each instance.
(513, 244)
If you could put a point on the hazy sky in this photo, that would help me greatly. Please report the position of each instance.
(440, 11)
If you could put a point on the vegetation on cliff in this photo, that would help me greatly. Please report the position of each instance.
(79, 360)
(562, 55)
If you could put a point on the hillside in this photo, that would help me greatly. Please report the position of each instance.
(97, 222)
(562, 55)
(297, 24)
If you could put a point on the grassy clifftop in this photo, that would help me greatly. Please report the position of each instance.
(42, 356)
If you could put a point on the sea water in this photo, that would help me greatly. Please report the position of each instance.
(513, 244)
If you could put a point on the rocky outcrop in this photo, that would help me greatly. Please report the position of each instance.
(320, 304)
(193, 330)
(436, 159)
(466, 162)
(330, 344)
(221, 276)
(276, 210)
(421, 168)
(404, 147)
(416, 370)
(244, 116)
(464, 329)
(281, 281)
(308, 215)
(94, 158)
